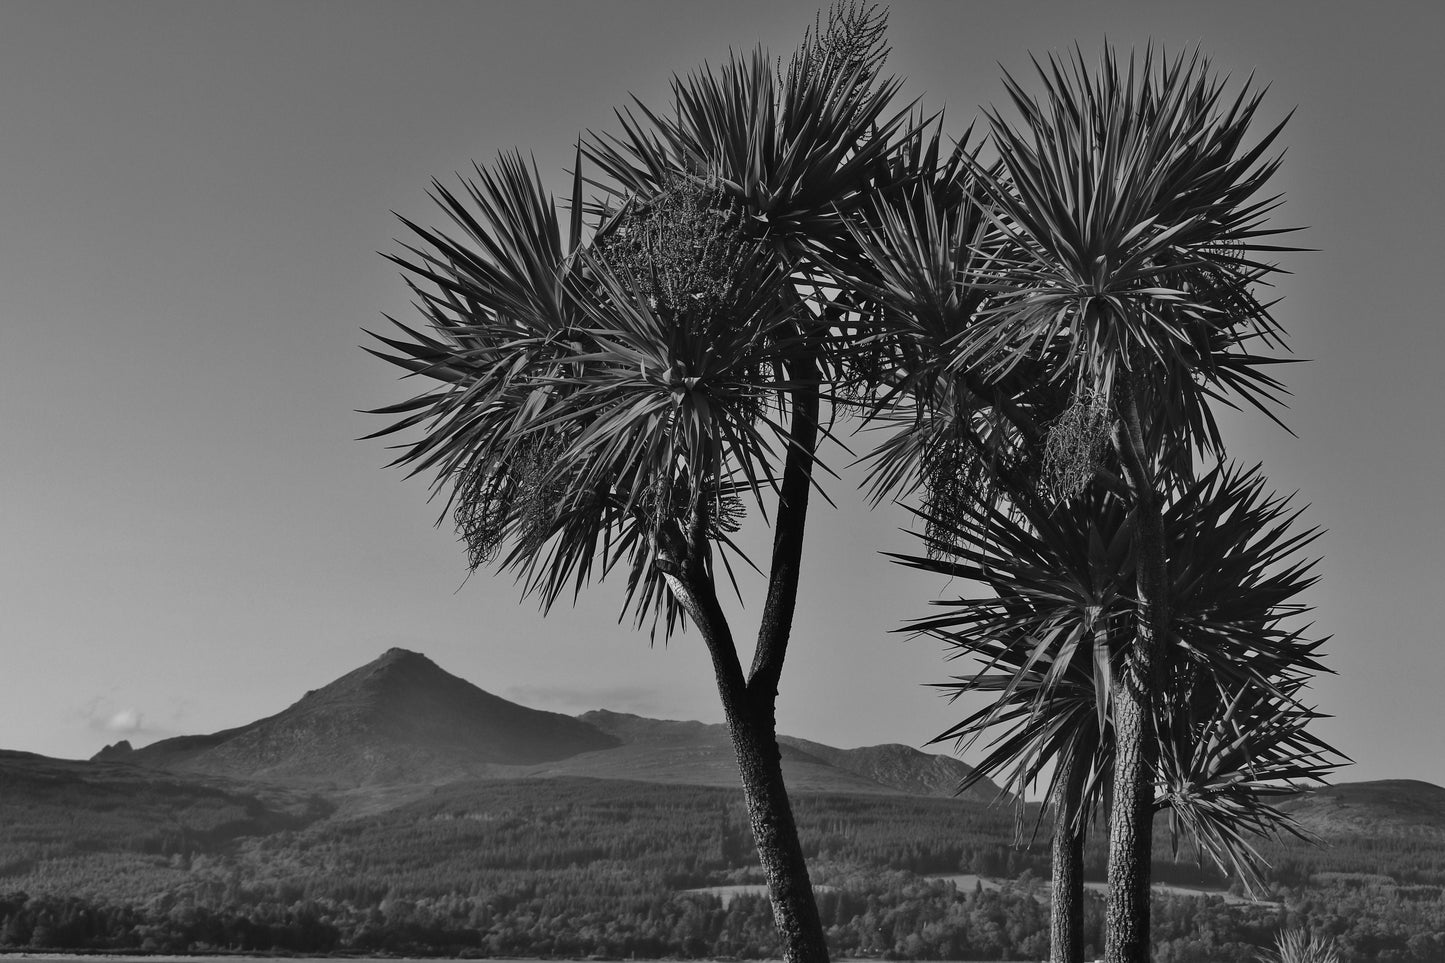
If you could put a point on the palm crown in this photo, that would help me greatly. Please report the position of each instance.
(1132, 213)
(613, 398)
(1057, 625)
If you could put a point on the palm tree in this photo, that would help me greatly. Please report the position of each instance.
(1054, 631)
(624, 397)
(1110, 303)
(1067, 314)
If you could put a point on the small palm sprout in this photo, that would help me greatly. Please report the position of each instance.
(1297, 946)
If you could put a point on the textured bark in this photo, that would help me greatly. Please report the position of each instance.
(753, 726)
(1131, 822)
(1126, 915)
(1066, 904)
(752, 723)
(790, 889)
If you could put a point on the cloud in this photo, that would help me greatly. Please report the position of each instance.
(126, 720)
(102, 715)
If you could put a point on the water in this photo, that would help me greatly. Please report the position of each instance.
(185, 958)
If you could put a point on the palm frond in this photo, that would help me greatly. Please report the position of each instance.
(587, 408)
(1055, 623)
(1134, 216)
(796, 154)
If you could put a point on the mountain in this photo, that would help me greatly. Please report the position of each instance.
(400, 719)
(392, 729)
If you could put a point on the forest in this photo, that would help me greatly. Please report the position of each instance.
(582, 868)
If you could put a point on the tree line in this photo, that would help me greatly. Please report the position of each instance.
(865, 914)
(580, 867)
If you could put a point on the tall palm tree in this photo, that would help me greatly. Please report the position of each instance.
(623, 396)
(1055, 628)
(1110, 300)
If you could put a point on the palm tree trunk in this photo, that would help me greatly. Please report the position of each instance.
(1066, 904)
(1126, 914)
(751, 720)
(749, 702)
(790, 889)
(754, 729)
(1131, 816)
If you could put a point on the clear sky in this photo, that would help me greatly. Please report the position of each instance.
(192, 196)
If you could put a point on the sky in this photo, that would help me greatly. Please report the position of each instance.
(193, 196)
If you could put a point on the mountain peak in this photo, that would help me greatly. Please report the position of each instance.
(396, 654)
(119, 750)
(399, 718)
(393, 660)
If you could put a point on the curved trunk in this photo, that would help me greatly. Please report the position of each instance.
(1131, 816)
(1066, 891)
(754, 730)
(751, 721)
(749, 701)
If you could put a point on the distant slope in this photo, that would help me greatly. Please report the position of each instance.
(1383, 809)
(692, 753)
(902, 768)
(399, 719)
(51, 809)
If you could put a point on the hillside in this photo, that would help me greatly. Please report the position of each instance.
(560, 867)
(902, 768)
(1383, 809)
(697, 754)
(119, 859)
(400, 719)
(55, 810)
